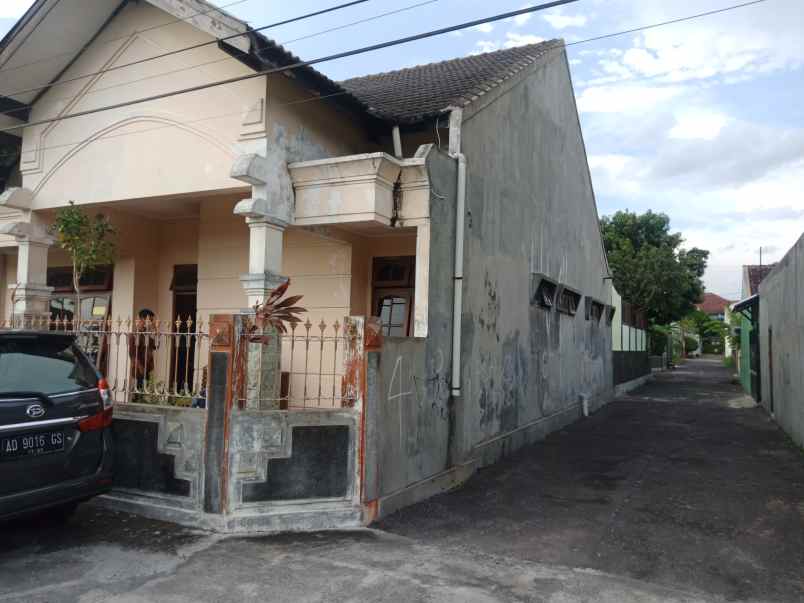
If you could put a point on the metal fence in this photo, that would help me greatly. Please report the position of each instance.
(302, 368)
(145, 361)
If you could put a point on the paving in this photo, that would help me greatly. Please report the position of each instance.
(684, 491)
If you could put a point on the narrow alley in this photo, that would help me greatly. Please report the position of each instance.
(684, 483)
(684, 491)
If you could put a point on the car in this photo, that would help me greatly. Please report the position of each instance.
(55, 425)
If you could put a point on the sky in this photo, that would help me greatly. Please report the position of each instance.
(702, 120)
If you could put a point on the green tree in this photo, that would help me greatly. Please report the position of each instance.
(90, 241)
(703, 325)
(649, 266)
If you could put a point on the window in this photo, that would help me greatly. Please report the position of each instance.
(393, 294)
(544, 291)
(97, 279)
(594, 309)
(568, 300)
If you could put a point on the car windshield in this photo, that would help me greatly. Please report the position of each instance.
(43, 364)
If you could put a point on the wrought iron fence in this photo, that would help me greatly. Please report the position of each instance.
(146, 361)
(302, 368)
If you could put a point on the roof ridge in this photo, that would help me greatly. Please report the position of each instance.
(414, 94)
(452, 60)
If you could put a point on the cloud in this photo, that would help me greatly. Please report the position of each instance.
(559, 21)
(695, 125)
(12, 9)
(521, 20)
(512, 40)
(629, 99)
(484, 28)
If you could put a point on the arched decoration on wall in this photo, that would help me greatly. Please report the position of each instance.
(131, 120)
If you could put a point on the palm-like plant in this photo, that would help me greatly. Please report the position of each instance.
(277, 313)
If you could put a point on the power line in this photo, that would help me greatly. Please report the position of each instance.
(388, 44)
(151, 28)
(227, 59)
(186, 49)
(669, 22)
(304, 101)
(297, 65)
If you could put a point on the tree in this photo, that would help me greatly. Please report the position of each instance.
(650, 268)
(88, 240)
(703, 325)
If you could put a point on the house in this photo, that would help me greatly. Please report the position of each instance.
(714, 306)
(748, 357)
(717, 308)
(452, 201)
(780, 330)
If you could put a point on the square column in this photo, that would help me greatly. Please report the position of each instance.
(31, 295)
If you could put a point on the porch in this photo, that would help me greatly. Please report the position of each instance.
(275, 436)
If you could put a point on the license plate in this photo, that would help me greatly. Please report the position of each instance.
(31, 444)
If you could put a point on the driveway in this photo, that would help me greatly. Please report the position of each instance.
(683, 492)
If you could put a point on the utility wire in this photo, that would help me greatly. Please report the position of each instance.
(109, 41)
(297, 65)
(669, 22)
(304, 101)
(228, 59)
(392, 43)
(186, 48)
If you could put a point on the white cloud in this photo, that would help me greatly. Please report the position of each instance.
(515, 39)
(12, 9)
(521, 20)
(625, 99)
(559, 21)
(484, 28)
(512, 40)
(698, 125)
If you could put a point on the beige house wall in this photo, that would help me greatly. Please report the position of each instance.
(173, 146)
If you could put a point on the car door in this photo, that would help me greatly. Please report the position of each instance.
(48, 397)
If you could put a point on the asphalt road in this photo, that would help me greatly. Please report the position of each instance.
(683, 492)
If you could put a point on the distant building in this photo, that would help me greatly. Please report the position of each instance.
(714, 306)
(748, 309)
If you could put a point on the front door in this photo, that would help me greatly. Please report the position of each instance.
(185, 300)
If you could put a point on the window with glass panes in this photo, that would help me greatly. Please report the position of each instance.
(393, 294)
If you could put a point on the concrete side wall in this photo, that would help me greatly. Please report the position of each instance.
(781, 312)
(530, 209)
(409, 424)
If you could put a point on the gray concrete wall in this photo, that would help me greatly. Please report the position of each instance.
(159, 455)
(409, 400)
(781, 311)
(530, 209)
(261, 438)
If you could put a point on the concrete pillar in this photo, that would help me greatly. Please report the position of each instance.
(267, 213)
(31, 296)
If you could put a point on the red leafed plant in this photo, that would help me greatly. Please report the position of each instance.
(277, 312)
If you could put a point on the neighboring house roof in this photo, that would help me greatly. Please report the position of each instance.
(713, 304)
(418, 93)
(757, 274)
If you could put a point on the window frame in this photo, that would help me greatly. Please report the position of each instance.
(574, 294)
